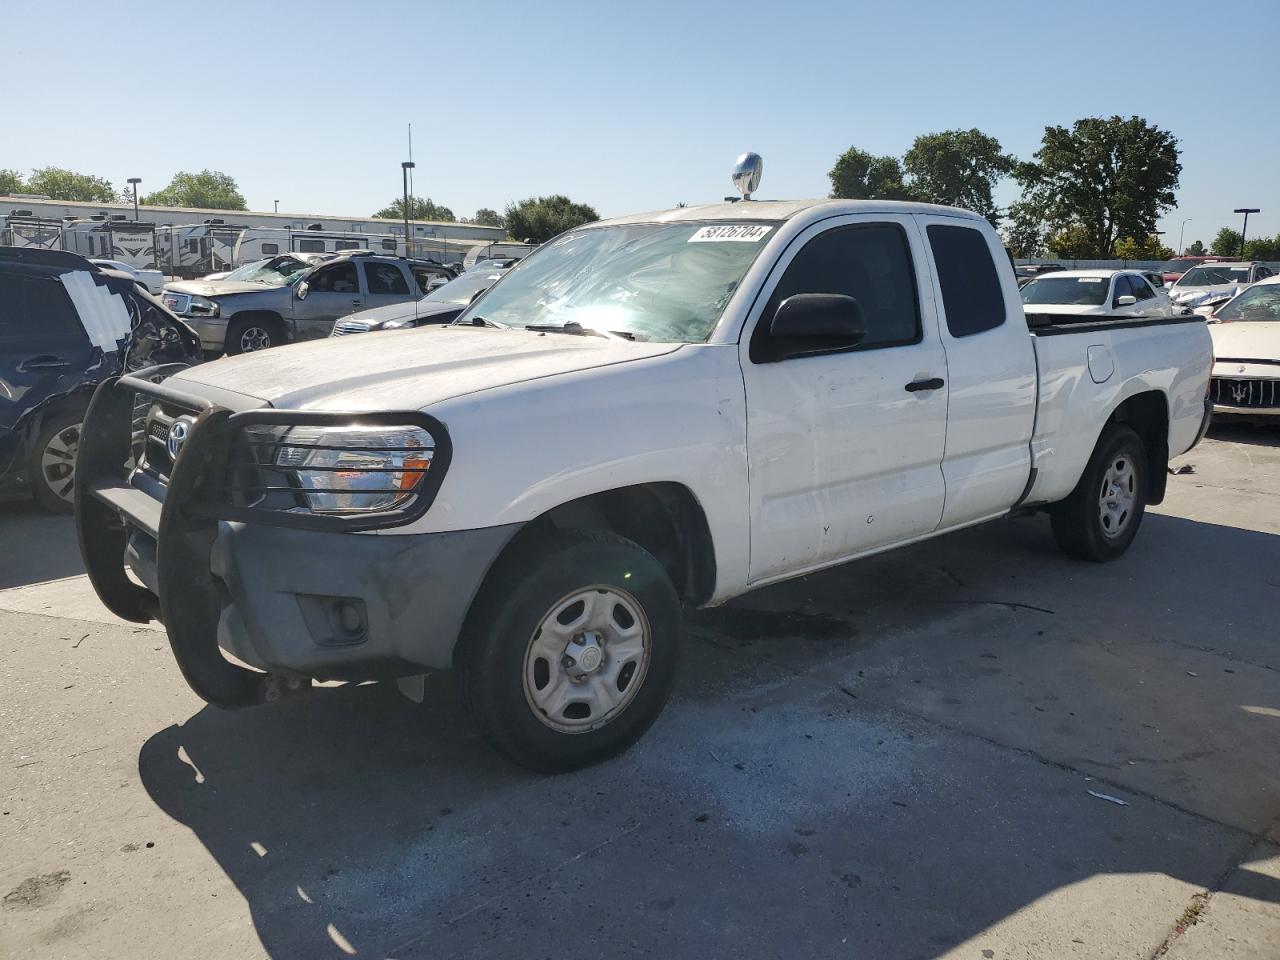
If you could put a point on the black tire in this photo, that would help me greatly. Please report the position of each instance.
(249, 332)
(50, 467)
(1081, 527)
(520, 594)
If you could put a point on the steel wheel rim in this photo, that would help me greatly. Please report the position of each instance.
(587, 659)
(58, 462)
(1117, 496)
(254, 338)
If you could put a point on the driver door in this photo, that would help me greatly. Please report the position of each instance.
(333, 291)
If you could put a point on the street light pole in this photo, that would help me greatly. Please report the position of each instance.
(1245, 229)
(133, 182)
(1181, 234)
(405, 167)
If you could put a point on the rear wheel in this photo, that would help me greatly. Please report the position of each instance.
(571, 649)
(1101, 517)
(51, 464)
(246, 334)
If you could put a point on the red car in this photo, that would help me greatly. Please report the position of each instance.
(1175, 268)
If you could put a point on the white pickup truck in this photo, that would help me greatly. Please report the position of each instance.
(648, 412)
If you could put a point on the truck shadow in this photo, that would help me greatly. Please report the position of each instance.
(758, 816)
(38, 545)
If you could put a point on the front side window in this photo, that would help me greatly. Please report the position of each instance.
(1068, 291)
(971, 293)
(870, 263)
(340, 278)
(1257, 303)
(1141, 289)
(648, 281)
(385, 279)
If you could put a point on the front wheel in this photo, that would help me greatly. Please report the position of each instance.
(571, 649)
(246, 334)
(1101, 517)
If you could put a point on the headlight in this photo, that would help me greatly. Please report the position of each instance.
(202, 307)
(351, 469)
(398, 324)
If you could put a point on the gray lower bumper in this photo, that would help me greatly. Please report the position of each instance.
(340, 606)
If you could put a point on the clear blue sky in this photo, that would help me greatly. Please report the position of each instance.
(626, 106)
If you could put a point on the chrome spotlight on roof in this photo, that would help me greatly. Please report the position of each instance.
(746, 174)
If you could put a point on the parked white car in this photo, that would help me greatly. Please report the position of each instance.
(151, 280)
(1246, 348)
(1211, 284)
(1096, 293)
(531, 494)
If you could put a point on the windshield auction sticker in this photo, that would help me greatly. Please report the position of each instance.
(739, 232)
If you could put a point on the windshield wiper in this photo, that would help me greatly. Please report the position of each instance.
(577, 329)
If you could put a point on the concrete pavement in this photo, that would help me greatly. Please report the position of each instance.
(909, 756)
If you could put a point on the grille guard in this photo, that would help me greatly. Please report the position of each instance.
(185, 525)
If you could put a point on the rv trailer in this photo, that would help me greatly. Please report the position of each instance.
(20, 229)
(192, 250)
(256, 243)
(129, 241)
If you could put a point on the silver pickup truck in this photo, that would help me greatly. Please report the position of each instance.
(268, 308)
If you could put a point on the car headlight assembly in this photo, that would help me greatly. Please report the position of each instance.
(341, 470)
(202, 307)
(398, 324)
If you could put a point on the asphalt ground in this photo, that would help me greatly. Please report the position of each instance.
(969, 748)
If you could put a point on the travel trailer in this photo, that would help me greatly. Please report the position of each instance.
(21, 229)
(193, 250)
(130, 241)
(497, 251)
(255, 243)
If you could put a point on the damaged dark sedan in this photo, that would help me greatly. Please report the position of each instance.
(65, 325)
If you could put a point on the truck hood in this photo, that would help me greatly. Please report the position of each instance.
(217, 288)
(1246, 340)
(409, 369)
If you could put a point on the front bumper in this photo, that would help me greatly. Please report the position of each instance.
(296, 596)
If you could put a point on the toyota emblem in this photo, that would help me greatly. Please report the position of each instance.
(177, 437)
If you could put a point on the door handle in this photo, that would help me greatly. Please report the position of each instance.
(43, 362)
(357, 303)
(935, 383)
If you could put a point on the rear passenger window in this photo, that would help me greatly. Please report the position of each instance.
(386, 279)
(36, 306)
(971, 293)
(870, 263)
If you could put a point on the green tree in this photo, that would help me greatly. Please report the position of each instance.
(1149, 248)
(1196, 249)
(488, 218)
(11, 182)
(959, 168)
(541, 218)
(59, 184)
(1024, 232)
(1262, 248)
(1110, 177)
(208, 189)
(419, 209)
(1227, 243)
(859, 175)
(1071, 243)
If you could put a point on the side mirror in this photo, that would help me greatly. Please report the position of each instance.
(1128, 300)
(813, 323)
(301, 290)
